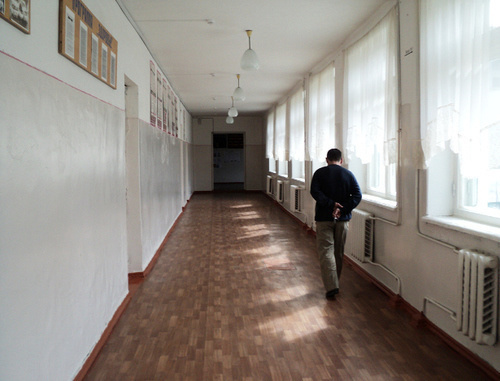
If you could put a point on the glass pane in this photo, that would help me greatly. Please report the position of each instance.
(272, 165)
(283, 168)
(298, 169)
(493, 198)
(392, 181)
(376, 173)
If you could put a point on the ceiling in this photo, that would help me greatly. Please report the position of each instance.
(198, 45)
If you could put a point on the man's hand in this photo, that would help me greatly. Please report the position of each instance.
(336, 210)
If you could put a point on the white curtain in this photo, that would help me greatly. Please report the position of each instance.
(371, 90)
(270, 136)
(460, 46)
(280, 141)
(321, 126)
(297, 125)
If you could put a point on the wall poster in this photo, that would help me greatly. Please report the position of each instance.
(18, 13)
(85, 41)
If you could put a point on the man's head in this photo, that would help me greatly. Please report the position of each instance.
(334, 156)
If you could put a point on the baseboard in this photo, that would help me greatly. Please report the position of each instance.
(104, 337)
(464, 352)
(290, 214)
(134, 280)
(228, 191)
(394, 299)
(141, 275)
(419, 320)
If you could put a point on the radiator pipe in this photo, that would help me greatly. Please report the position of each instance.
(390, 272)
(453, 314)
(419, 230)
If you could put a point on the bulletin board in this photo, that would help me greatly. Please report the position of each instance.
(86, 42)
(17, 12)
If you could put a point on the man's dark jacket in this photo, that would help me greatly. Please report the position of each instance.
(332, 184)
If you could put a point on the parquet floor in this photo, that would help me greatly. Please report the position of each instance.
(236, 295)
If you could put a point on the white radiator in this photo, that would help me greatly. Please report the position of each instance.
(269, 185)
(359, 243)
(477, 315)
(280, 190)
(296, 198)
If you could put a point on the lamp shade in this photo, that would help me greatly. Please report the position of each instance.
(249, 60)
(239, 94)
(233, 112)
(229, 120)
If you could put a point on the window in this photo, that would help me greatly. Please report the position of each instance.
(371, 81)
(298, 169)
(270, 142)
(283, 168)
(321, 128)
(296, 136)
(280, 141)
(460, 72)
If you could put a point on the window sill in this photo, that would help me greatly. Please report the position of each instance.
(464, 226)
(390, 205)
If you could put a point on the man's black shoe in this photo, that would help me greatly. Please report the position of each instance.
(331, 294)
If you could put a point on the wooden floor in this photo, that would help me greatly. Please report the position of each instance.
(237, 295)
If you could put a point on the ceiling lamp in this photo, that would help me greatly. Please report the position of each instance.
(238, 94)
(249, 61)
(232, 111)
(229, 120)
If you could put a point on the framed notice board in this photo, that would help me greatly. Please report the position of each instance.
(17, 12)
(86, 42)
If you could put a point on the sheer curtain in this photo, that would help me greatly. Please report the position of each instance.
(321, 126)
(280, 141)
(371, 84)
(270, 136)
(460, 47)
(296, 137)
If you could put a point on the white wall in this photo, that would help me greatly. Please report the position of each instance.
(251, 127)
(63, 179)
(162, 201)
(62, 224)
(427, 268)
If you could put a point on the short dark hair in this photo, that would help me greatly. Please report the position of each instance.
(334, 155)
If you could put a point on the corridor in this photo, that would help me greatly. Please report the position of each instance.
(237, 295)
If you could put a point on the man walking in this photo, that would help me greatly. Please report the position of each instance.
(337, 193)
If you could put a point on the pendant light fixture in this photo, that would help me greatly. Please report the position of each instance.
(232, 111)
(249, 61)
(238, 94)
(229, 120)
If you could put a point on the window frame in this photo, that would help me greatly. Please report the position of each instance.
(387, 197)
(459, 209)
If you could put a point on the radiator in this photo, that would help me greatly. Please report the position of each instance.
(296, 198)
(280, 191)
(477, 315)
(359, 243)
(270, 185)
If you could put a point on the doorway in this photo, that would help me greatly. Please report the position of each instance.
(229, 161)
(132, 190)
